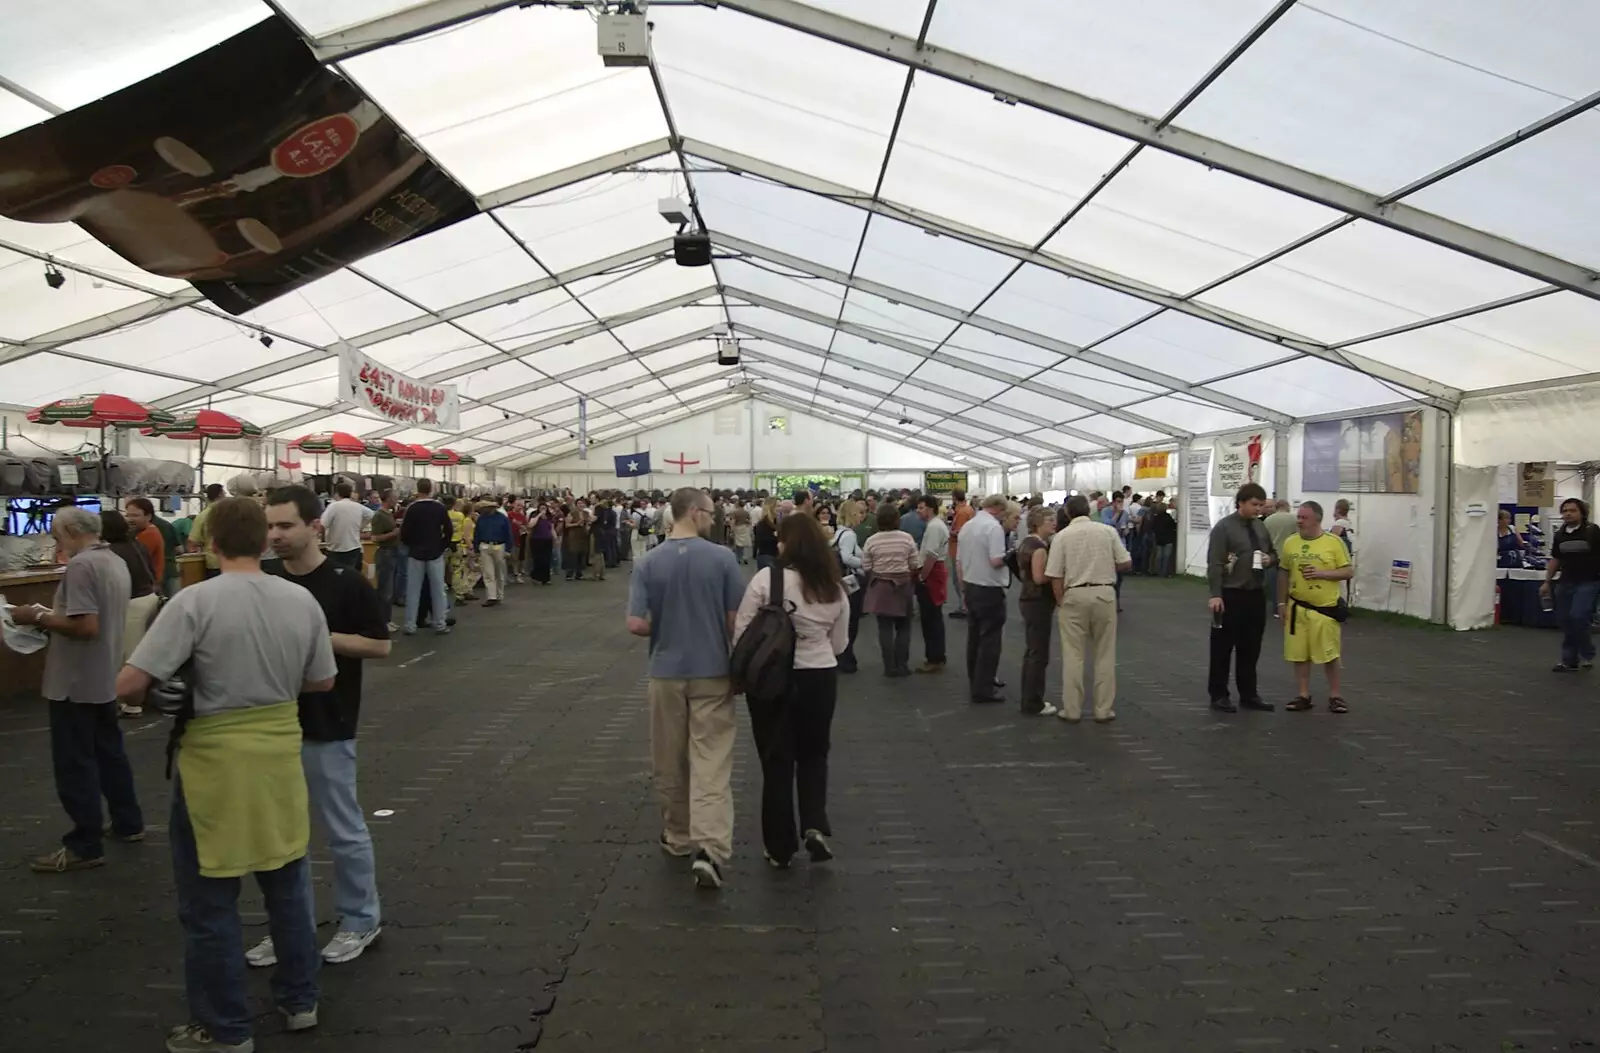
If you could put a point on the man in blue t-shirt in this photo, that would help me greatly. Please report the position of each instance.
(683, 595)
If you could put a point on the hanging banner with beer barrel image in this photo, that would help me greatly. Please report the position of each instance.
(249, 170)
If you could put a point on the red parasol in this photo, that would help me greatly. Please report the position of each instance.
(330, 442)
(99, 411)
(205, 424)
(417, 452)
(387, 448)
(446, 457)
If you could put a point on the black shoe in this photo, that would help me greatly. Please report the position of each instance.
(846, 670)
(491, 603)
(774, 863)
(958, 614)
(1564, 668)
(992, 700)
(817, 845)
(449, 620)
(1260, 705)
(706, 872)
(999, 683)
(1224, 705)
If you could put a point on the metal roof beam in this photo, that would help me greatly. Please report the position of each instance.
(1441, 395)
(873, 429)
(1012, 87)
(694, 409)
(1169, 383)
(1047, 390)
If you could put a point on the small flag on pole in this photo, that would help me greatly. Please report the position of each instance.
(632, 465)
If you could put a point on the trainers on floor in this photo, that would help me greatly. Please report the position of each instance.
(62, 860)
(775, 864)
(1048, 710)
(193, 1038)
(302, 1020)
(394, 627)
(261, 955)
(125, 710)
(347, 946)
(666, 846)
(817, 845)
(706, 872)
(130, 839)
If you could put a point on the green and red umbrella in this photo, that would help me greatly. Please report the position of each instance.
(417, 452)
(446, 457)
(100, 411)
(467, 458)
(205, 424)
(330, 442)
(387, 449)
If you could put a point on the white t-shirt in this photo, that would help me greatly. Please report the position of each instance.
(1349, 532)
(982, 539)
(341, 524)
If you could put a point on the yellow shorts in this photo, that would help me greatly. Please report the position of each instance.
(1316, 637)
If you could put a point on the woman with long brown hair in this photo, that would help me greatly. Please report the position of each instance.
(890, 560)
(792, 735)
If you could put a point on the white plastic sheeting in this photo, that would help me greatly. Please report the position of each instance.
(1543, 424)
(1082, 313)
(1473, 544)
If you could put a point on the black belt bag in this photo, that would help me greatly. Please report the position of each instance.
(1339, 612)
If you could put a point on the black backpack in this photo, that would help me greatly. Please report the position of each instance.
(763, 659)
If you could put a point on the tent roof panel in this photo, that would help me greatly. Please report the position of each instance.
(908, 258)
(47, 377)
(1309, 386)
(458, 263)
(593, 219)
(527, 320)
(1189, 348)
(793, 221)
(1046, 301)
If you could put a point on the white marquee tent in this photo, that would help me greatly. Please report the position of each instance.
(1042, 231)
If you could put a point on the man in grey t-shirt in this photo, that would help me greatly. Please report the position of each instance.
(85, 623)
(683, 595)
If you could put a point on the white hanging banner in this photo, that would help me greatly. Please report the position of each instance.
(583, 429)
(368, 384)
(1236, 460)
(1196, 474)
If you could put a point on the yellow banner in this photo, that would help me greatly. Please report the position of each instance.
(1151, 466)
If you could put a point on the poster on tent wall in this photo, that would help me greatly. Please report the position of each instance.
(368, 384)
(1235, 460)
(1380, 454)
(249, 170)
(1196, 497)
(1150, 466)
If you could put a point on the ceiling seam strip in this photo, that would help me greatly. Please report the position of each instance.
(690, 410)
(1194, 92)
(1129, 124)
(762, 170)
(845, 421)
(1067, 351)
(889, 374)
(676, 142)
(883, 173)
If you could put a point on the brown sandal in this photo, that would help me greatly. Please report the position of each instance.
(1300, 704)
(1336, 705)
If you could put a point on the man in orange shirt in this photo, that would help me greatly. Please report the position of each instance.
(960, 512)
(141, 514)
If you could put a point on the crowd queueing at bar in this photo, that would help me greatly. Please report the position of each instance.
(740, 593)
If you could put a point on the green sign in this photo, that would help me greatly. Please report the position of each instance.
(943, 482)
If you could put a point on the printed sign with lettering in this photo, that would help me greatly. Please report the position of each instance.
(370, 385)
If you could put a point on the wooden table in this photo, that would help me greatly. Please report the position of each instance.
(23, 674)
(191, 569)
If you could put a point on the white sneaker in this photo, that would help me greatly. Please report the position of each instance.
(301, 1021)
(347, 946)
(194, 1038)
(261, 955)
(705, 871)
(394, 627)
(1049, 710)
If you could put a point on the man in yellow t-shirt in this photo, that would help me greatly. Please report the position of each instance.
(1314, 563)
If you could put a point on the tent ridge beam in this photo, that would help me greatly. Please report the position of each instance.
(1213, 153)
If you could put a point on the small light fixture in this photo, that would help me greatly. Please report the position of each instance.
(53, 277)
(266, 341)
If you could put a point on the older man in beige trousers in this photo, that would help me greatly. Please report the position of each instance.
(1084, 561)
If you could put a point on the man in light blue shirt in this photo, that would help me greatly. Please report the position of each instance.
(683, 595)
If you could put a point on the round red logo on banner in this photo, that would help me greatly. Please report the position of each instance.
(316, 147)
(112, 177)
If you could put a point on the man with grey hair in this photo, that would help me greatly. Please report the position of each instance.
(684, 595)
(85, 622)
(984, 578)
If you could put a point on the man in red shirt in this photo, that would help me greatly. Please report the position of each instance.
(519, 535)
(141, 514)
(960, 512)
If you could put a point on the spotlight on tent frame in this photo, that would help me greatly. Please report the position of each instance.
(53, 277)
(266, 341)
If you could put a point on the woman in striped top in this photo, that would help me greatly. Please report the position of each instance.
(890, 560)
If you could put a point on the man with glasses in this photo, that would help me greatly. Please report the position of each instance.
(683, 595)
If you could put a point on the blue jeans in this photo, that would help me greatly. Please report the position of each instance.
(213, 957)
(89, 761)
(431, 571)
(386, 560)
(555, 558)
(331, 782)
(1575, 611)
(763, 562)
(402, 558)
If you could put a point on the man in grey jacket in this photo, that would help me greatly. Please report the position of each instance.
(1239, 554)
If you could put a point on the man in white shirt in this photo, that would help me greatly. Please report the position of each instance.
(982, 557)
(932, 582)
(1082, 567)
(342, 521)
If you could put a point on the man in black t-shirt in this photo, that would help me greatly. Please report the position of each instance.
(358, 620)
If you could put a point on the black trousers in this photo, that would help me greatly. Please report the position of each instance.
(847, 660)
(1244, 620)
(932, 615)
(793, 737)
(89, 761)
(540, 548)
(986, 618)
(894, 642)
(1038, 620)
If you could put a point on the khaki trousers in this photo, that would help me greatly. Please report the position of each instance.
(1087, 623)
(492, 559)
(691, 747)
